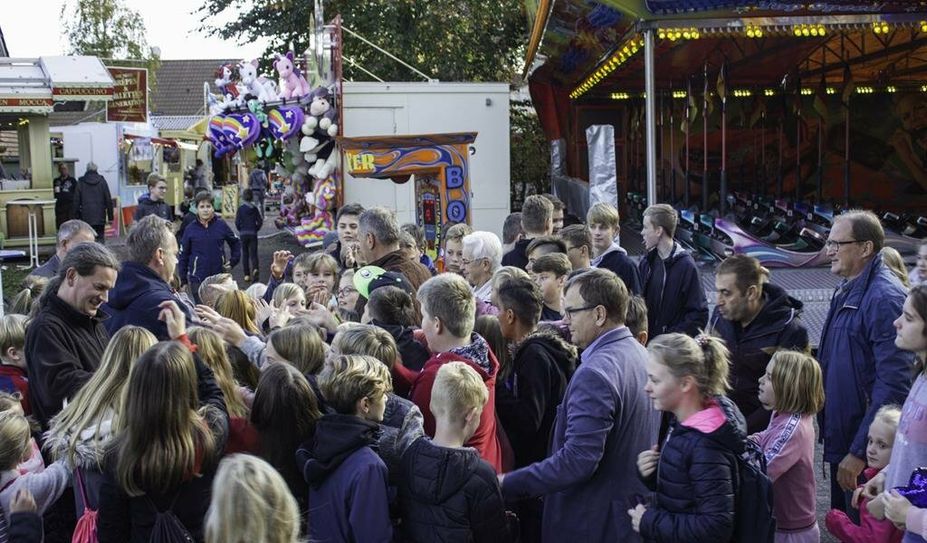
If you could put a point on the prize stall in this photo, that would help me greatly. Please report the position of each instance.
(29, 89)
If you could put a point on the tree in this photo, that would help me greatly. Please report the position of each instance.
(105, 29)
(529, 154)
(459, 40)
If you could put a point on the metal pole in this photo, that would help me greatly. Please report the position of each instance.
(650, 119)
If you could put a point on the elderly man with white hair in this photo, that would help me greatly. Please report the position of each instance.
(482, 256)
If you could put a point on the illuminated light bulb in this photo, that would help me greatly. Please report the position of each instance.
(661, 34)
(758, 33)
(805, 32)
(686, 34)
(695, 34)
(797, 32)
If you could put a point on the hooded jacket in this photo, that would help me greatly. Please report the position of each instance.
(776, 326)
(92, 201)
(397, 262)
(449, 495)
(863, 369)
(201, 250)
(527, 402)
(147, 206)
(135, 298)
(481, 358)
(347, 482)
(677, 303)
(63, 349)
(694, 479)
(606, 419)
(615, 259)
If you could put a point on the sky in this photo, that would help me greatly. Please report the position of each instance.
(32, 28)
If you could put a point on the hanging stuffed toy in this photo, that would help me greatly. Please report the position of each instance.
(292, 82)
(312, 229)
(321, 114)
(258, 86)
(226, 82)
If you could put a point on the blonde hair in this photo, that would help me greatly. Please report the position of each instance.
(369, 340)
(456, 390)
(507, 272)
(449, 298)
(212, 352)
(15, 433)
(797, 383)
(662, 216)
(301, 346)
(318, 262)
(250, 502)
(211, 288)
(26, 300)
(10, 399)
(890, 414)
(162, 439)
(706, 360)
(604, 214)
(285, 291)
(12, 332)
(895, 263)
(238, 306)
(104, 392)
(349, 378)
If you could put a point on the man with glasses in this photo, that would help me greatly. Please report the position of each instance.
(153, 203)
(578, 241)
(482, 256)
(605, 420)
(863, 369)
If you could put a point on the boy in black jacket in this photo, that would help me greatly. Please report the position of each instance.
(248, 221)
(447, 492)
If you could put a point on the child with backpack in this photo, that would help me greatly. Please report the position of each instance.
(446, 491)
(169, 438)
(347, 480)
(878, 453)
(695, 472)
(793, 390)
(251, 502)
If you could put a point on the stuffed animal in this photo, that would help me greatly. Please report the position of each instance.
(324, 168)
(258, 86)
(312, 229)
(293, 84)
(226, 82)
(321, 114)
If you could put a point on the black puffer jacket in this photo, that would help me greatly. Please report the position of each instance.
(92, 201)
(777, 326)
(527, 401)
(449, 495)
(694, 480)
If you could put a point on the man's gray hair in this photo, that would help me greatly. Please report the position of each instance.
(69, 229)
(483, 244)
(145, 237)
(382, 223)
(84, 258)
(91, 166)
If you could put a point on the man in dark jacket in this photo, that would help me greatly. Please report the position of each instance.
(863, 368)
(142, 285)
(92, 201)
(605, 420)
(257, 182)
(755, 318)
(446, 491)
(65, 341)
(153, 203)
(70, 234)
(537, 215)
(248, 221)
(64, 187)
(378, 233)
(671, 284)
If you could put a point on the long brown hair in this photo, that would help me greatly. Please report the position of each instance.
(238, 306)
(301, 346)
(212, 352)
(163, 440)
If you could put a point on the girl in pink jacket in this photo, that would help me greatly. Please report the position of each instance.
(878, 452)
(793, 390)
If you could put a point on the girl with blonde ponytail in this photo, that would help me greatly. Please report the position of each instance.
(695, 483)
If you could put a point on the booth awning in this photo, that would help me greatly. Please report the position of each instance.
(154, 139)
(34, 85)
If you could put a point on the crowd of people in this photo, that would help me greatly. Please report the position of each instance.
(544, 386)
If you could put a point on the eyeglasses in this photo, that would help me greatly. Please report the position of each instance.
(347, 291)
(574, 310)
(834, 245)
(464, 262)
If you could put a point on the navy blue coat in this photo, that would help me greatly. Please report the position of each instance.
(135, 298)
(863, 369)
(617, 261)
(678, 303)
(201, 250)
(694, 479)
(147, 206)
(248, 219)
(776, 326)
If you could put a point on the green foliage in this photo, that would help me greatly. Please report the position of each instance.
(459, 40)
(530, 154)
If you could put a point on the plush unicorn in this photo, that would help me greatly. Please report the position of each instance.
(258, 86)
(293, 84)
(226, 82)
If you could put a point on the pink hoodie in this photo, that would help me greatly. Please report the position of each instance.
(869, 529)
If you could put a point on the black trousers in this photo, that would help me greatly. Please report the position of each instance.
(249, 254)
(100, 230)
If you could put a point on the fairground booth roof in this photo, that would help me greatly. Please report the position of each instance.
(593, 50)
